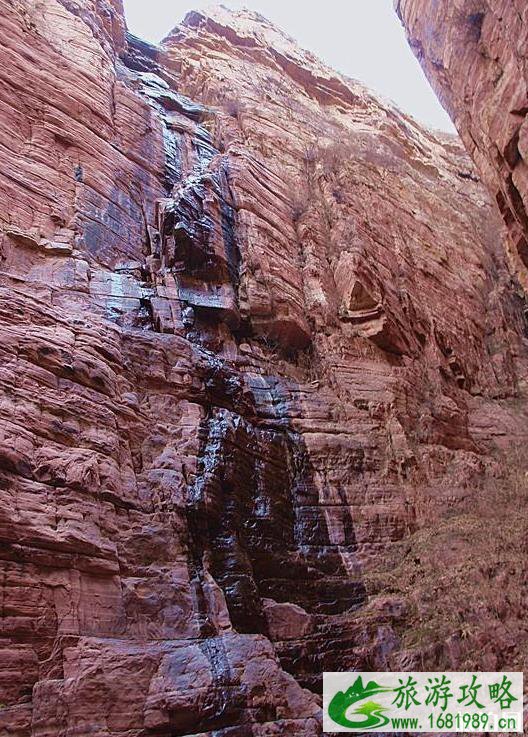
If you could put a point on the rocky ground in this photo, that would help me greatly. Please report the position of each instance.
(263, 384)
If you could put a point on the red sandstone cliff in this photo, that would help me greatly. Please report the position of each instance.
(474, 53)
(262, 387)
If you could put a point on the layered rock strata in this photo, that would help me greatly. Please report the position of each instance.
(258, 335)
(474, 54)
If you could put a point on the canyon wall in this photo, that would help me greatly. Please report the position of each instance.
(474, 53)
(262, 389)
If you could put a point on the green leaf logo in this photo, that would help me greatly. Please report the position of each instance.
(371, 713)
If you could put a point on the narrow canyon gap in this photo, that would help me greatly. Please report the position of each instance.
(262, 397)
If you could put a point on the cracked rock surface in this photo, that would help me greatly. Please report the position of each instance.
(262, 360)
(488, 100)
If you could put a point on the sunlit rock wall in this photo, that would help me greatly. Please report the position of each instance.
(475, 53)
(257, 334)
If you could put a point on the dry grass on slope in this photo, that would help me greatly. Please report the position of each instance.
(464, 582)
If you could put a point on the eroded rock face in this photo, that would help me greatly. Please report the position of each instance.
(258, 334)
(474, 53)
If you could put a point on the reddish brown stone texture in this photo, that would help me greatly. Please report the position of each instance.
(474, 53)
(257, 334)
